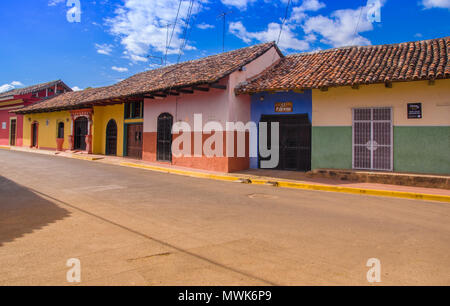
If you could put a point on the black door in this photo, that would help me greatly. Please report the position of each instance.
(81, 130)
(295, 141)
(164, 146)
(35, 135)
(111, 138)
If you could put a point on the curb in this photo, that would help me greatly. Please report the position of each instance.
(293, 185)
(274, 183)
(83, 157)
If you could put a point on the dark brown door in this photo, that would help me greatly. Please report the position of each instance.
(295, 141)
(12, 134)
(81, 130)
(111, 138)
(134, 140)
(164, 146)
(34, 142)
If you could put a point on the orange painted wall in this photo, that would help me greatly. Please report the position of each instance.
(219, 164)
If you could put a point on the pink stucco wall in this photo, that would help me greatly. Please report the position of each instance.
(216, 105)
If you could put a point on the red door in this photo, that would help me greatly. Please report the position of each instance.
(134, 140)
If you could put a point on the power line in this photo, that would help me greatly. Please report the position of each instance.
(173, 30)
(224, 16)
(284, 21)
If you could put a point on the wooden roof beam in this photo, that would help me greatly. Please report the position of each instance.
(185, 91)
(205, 89)
(218, 86)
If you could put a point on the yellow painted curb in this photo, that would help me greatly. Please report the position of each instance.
(372, 192)
(183, 172)
(85, 157)
(293, 185)
(5, 148)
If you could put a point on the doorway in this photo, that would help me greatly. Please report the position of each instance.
(111, 138)
(34, 134)
(295, 141)
(81, 130)
(12, 132)
(373, 139)
(134, 140)
(164, 138)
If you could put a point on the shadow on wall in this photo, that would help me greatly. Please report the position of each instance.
(22, 211)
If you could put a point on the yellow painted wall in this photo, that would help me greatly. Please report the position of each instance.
(333, 107)
(47, 133)
(102, 115)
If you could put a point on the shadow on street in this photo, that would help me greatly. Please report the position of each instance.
(22, 211)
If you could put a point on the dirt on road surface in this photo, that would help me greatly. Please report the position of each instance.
(136, 227)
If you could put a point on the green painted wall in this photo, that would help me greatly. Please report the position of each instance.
(422, 149)
(416, 149)
(332, 147)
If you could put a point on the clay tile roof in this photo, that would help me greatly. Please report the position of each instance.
(68, 100)
(207, 70)
(31, 89)
(412, 61)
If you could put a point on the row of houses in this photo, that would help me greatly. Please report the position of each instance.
(378, 108)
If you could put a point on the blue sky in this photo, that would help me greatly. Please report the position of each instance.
(118, 38)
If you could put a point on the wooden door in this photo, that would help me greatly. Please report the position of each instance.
(134, 140)
(34, 139)
(164, 138)
(13, 132)
(81, 130)
(111, 138)
(295, 141)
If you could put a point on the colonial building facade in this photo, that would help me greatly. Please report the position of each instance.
(11, 124)
(374, 108)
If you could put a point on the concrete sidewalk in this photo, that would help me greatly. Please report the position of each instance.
(273, 178)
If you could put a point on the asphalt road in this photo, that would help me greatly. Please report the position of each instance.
(136, 227)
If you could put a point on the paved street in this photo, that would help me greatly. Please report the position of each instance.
(135, 227)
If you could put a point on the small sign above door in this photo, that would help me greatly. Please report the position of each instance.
(415, 111)
(284, 107)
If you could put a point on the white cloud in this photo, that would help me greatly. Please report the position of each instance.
(6, 87)
(105, 49)
(240, 4)
(342, 27)
(76, 88)
(55, 2)
(428, 4)
(205, 26)
(287, 39)
(10, 86)
(299, 12)
(141, 26)
(119, 69)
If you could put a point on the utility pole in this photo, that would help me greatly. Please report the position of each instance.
(224, 17)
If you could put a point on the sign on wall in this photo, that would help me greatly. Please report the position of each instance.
(284, 107)
(3, 125)
(415, 111)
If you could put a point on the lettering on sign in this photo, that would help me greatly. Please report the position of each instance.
(284, 107)
(415, 111)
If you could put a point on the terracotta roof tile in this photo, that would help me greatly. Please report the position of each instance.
(202, 71)
(421, 60)
(31, 89)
